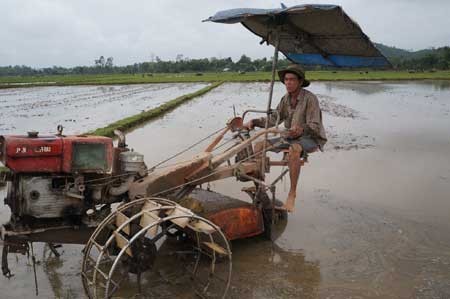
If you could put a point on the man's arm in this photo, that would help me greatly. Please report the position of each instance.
(261, 122)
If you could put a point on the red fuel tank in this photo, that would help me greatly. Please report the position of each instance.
(56, 153)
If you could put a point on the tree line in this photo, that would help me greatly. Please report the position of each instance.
(438, 59)
(180, 65)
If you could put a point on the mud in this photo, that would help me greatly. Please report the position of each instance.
(372, 214)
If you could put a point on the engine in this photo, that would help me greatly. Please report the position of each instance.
(65, 179)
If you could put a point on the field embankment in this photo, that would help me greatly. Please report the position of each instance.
(133, 121)
(107, 79)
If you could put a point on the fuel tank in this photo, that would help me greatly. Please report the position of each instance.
(56, 154)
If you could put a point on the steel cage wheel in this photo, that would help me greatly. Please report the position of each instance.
(129, 250)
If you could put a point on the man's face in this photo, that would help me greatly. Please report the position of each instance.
(292, 82)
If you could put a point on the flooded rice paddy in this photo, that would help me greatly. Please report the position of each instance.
(372, 217)
(80, 108)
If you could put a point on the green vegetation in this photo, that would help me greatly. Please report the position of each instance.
(19, 81)
(180, 65)
(427, 59)
(136, 120)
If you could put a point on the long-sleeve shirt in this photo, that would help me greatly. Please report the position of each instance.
(306, 114)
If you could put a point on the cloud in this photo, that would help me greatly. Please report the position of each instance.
(68, 33)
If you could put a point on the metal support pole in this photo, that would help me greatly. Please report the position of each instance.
(33, 259)
(269, 102)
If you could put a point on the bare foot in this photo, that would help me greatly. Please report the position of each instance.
(290, 202)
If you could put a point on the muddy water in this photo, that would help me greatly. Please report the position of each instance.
(80, 108)
(372, 215)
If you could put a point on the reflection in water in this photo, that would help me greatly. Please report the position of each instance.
(51, 264)
(377, 87)
(261, 269)
(63, 272)
(434, 85)
(361, 88)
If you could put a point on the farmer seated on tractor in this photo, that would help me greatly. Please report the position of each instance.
(299, 110)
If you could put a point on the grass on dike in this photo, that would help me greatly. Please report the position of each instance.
(213, 77)
(131, 122)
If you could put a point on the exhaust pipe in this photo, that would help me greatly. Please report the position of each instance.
(121, 136)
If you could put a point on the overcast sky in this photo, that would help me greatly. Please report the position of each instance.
(43, 33)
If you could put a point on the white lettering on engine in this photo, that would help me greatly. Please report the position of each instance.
(21, 150)
(43, 149)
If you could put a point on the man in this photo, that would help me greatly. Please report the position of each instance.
(299, 110)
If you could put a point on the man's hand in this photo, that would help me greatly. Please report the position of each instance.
(295, 131)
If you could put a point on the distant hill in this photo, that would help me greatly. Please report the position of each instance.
(434, 58)
(393, 52)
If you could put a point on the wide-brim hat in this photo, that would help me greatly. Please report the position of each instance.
(293, 69)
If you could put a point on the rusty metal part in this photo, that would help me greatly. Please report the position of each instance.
(236, 124)
(236, 218)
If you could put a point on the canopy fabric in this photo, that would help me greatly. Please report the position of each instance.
(309, 34)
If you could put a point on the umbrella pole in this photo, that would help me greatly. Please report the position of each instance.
(268, 114)
(269, 103)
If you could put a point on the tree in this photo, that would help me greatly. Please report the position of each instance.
(179, 57)
(100, 62)
(446, 51)
(244, 60)
(109, 62)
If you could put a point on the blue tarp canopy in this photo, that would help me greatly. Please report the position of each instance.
(309, 34)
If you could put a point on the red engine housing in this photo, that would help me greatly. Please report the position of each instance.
(56, 154)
